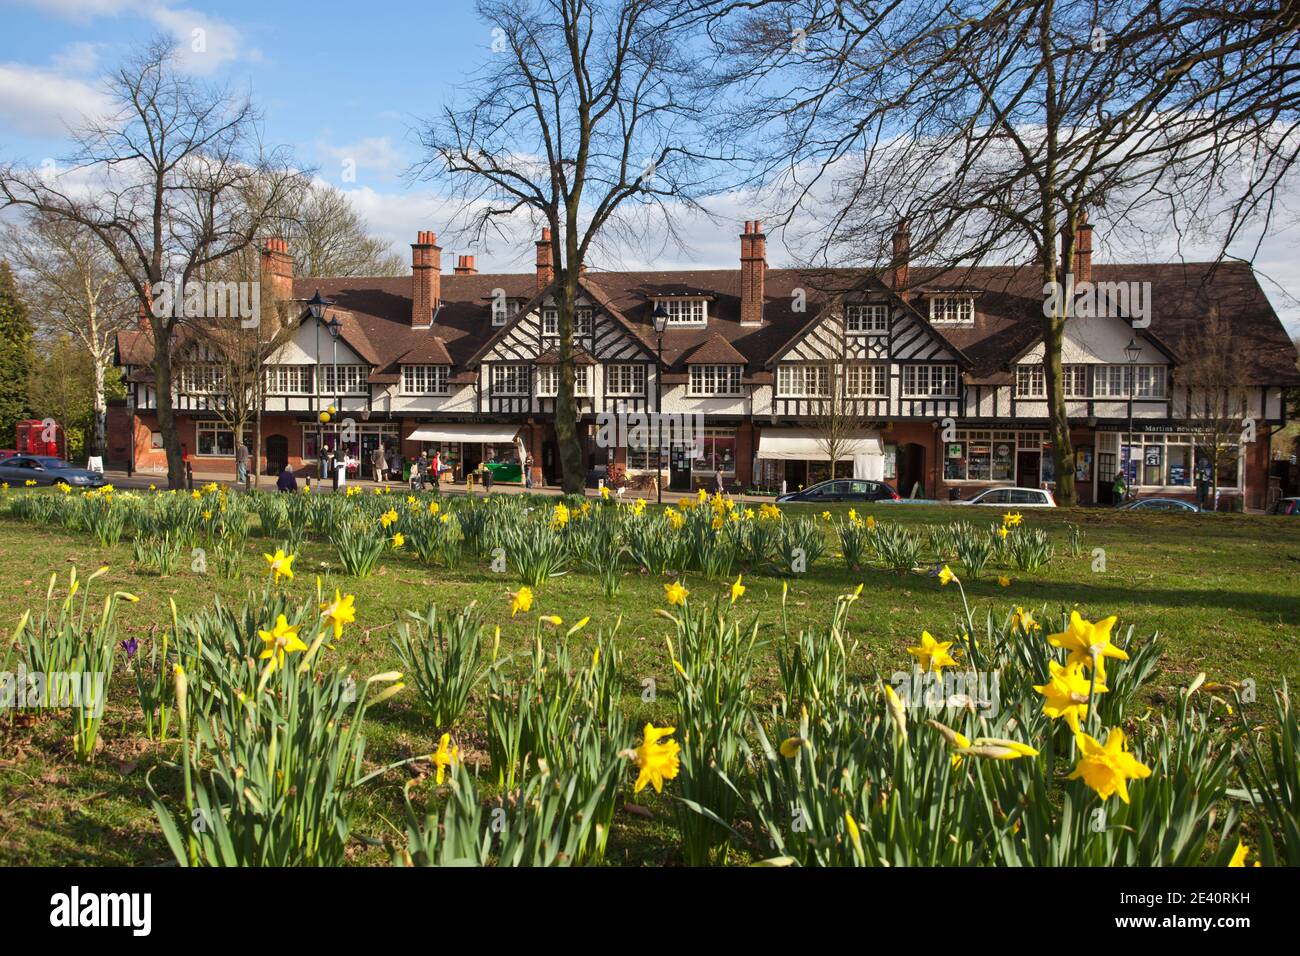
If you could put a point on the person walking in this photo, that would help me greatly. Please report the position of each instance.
(324, 463)
(378, 463)
(435, 469)
(241, 462)
(1120, 488)
(487, 477)
(528, 471)
(419, 471)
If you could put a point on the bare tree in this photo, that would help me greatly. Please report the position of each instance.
(583, 119)
(77, 292)
(1214, 380)
(164, 185)
(994, 128)
(328, 238)
(842, 414)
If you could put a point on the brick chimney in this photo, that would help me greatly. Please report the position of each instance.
(465, 266)
(277, 268)
(1083, 249)
(545, 265)
(753, 272)
(426, 279)
(902, 258)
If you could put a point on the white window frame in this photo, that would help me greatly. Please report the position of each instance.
(715, 381)
(548, 381)
(868, 319)
(1031, 380)
(289, 379)
(1075, 381)
(1151, 381)
(200, 378)
(354, 379)
(913, 375)
(424, 379)
(686, 312)
(582, 322)
(952, 310)
(503, 310)
(512, 374)
(796, 380)
(873, 375)
(625, 380)
(215, 428)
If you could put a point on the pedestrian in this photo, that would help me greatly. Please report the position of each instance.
(286, 481)
(330, 468)
(528, 471)
(324, 466)
(419, 471)
(487, 477)
(378, 463)
(717, 479)
(394, 463)
(241, 462)
(1120, 488)
(435, 468)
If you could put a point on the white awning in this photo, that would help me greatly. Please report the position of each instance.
(867, 451)
(491, 434)
(806, 444)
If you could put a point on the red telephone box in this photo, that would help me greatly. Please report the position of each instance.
(35, 437)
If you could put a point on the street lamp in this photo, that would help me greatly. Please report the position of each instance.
(334, 326)
(316, 306)
(1132, 352)
(660, 317)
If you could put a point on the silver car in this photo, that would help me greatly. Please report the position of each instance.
(47, 470)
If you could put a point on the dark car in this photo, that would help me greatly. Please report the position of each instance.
(46, 470)
(842, 489)
(1160, 504)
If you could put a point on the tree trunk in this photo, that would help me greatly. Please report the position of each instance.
(572, 475)
(99, 428)
(162, 370)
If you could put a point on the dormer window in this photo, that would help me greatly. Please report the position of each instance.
(424, 379)
(866, 319)
(503, 310)
(952, 310)
(581, 323)
(686, 312)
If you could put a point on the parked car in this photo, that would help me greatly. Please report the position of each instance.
(1159, 504)
(46, 470)
(1012, 497)
(842, 489)
(1286, 506)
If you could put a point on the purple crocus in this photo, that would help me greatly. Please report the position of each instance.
(130, 645)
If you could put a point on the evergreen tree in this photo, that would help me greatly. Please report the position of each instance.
(15, 357)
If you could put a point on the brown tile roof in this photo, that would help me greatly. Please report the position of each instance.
(376, 313)
(715, 351)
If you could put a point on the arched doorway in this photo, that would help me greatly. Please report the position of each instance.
(911, 469)
(277, 453)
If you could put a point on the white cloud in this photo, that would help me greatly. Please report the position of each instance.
(374, 156)
(77, 58)
(203, 42)
(44, 102)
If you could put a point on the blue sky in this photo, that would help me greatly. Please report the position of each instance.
(346, 83)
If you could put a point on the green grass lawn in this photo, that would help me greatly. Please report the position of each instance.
(1223, 590)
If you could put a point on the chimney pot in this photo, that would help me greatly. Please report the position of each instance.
(753, 272)
(277, 267)
(545, 264)
(902, 258)
(426, 278)
(1083, 249)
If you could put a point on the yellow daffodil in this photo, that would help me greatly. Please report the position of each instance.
(1004, 581)
(445, 756)
(737, 590)
(342, 610)
(552, 619)
(1239, 856)
(1003, 532)
(1107, 768)
(398, 540)
(675, 593)
(388, 518)
(871, 522)
(945, 575)
(790, 746)
(826, 516)
(521, 600)
(1012, 519)
(281, 565)
(1024, 620)
(560, 517)
(434, 508)
(279, 641)
(1087, 642)
(931, 654)
(896, 712)
(1065, 695)
(604, 493)
(658, 760)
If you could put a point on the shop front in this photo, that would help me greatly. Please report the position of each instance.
(462, 447)
(792, 458)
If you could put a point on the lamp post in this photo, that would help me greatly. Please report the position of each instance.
(1132, 352)
(335, 327)
(660, 317)
(316, 306)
